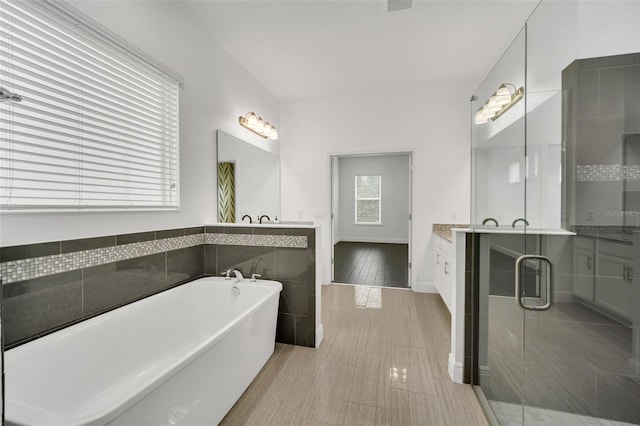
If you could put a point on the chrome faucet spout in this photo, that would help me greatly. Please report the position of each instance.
(490, 219)
(513, 225)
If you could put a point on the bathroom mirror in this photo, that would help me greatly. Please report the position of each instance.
(248, 180)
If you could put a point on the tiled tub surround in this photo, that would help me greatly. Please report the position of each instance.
(284, 254)
(51, 285)
(55, 284)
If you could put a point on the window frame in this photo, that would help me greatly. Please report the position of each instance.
(167, 198)
(378, 198)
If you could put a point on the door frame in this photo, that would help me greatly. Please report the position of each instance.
(382, 153)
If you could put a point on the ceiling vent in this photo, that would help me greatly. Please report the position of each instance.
(393, 5)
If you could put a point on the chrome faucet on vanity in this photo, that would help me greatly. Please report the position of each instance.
(490, 219)
(526, 222)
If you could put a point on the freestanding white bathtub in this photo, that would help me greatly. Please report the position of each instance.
(180, 357)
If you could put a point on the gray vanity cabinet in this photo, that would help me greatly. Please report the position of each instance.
(613, 281)
(603, 272)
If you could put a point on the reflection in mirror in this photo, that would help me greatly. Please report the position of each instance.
(248, 181)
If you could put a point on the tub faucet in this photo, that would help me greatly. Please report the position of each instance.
(262, 217)
(490, 219)
(245, 216)
(237, 274)
(254, 265)
(513, 225)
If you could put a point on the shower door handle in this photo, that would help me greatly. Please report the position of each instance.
(518, 289)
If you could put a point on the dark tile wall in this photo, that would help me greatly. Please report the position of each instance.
(502, 269)
(293, 267)
(471, 308)
(601, 108)
(35, 307)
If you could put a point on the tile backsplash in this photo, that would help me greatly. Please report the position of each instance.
(51, 285)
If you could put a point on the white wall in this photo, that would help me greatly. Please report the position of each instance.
(217, 90)
(433, 122)
(394, 170)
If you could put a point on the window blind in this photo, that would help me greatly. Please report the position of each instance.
(97, 127)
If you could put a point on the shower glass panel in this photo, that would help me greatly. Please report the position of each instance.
(576, 362)
(498, 219)
(498, 149)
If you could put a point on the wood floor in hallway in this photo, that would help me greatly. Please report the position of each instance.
(383, 361)
(379, 264)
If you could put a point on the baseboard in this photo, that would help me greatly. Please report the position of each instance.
(319, 335)
(422, 287)
(456, 369)
(371, 240)
(485, 375)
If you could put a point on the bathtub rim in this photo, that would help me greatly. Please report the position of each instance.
(125, 400)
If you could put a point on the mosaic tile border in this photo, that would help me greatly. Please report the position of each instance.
(289, 241)
(606, 172)
(26, 269)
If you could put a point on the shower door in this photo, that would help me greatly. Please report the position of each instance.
(499, 215)
(558, 301)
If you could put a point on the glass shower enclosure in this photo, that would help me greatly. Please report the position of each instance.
(556, 219)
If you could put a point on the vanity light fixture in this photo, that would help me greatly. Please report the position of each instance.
(258, 126)
(499, 103)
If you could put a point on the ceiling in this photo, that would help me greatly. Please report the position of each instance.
(301, 49)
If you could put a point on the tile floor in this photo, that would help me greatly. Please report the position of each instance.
(513, 415)
(383, 361)
(579, 367)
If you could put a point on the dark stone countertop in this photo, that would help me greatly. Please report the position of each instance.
(613, 233)
(444, 229)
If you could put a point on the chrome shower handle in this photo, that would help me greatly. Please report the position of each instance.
(518, 289)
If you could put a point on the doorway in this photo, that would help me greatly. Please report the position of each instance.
(371, 219)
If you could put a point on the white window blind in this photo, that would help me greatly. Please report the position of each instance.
(368, 199)
(98, 125)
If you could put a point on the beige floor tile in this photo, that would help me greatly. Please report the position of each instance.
(410, 370)
(376, 366)
(416, 409)
(371, 380)
(459, 404)
(353, 414)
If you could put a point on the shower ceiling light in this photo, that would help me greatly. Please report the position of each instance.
(258, 126)
(499, 103)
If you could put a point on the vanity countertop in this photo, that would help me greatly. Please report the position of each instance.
(614, 233)
(283, 224)
(444, 229)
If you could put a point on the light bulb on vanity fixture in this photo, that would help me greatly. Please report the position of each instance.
(257, 125)
(252, 120)
(499, 103)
